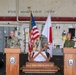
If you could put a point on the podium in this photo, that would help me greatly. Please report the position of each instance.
(69, 61)
(12, 61)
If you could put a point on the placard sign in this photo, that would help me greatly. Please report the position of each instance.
(70, 62)
(12, 60)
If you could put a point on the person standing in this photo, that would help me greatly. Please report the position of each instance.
(12, 41)
(69, 43)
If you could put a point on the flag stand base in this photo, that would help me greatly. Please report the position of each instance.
(40, 67)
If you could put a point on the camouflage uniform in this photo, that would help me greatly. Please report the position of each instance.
(13, 42)
(69, 43)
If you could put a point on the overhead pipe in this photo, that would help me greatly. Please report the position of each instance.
(17, 12)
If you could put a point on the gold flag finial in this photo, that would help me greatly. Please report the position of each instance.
(29, 8)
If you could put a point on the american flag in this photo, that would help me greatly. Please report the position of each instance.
(33, 33)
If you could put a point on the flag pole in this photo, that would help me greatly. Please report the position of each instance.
(30, 30)
(30, 15)
(30, 27)
(35, 42)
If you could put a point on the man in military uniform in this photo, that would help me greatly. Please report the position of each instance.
(12, 41)
(69, 43)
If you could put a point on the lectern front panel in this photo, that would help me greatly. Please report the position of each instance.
(12, 63)
(69, 61)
